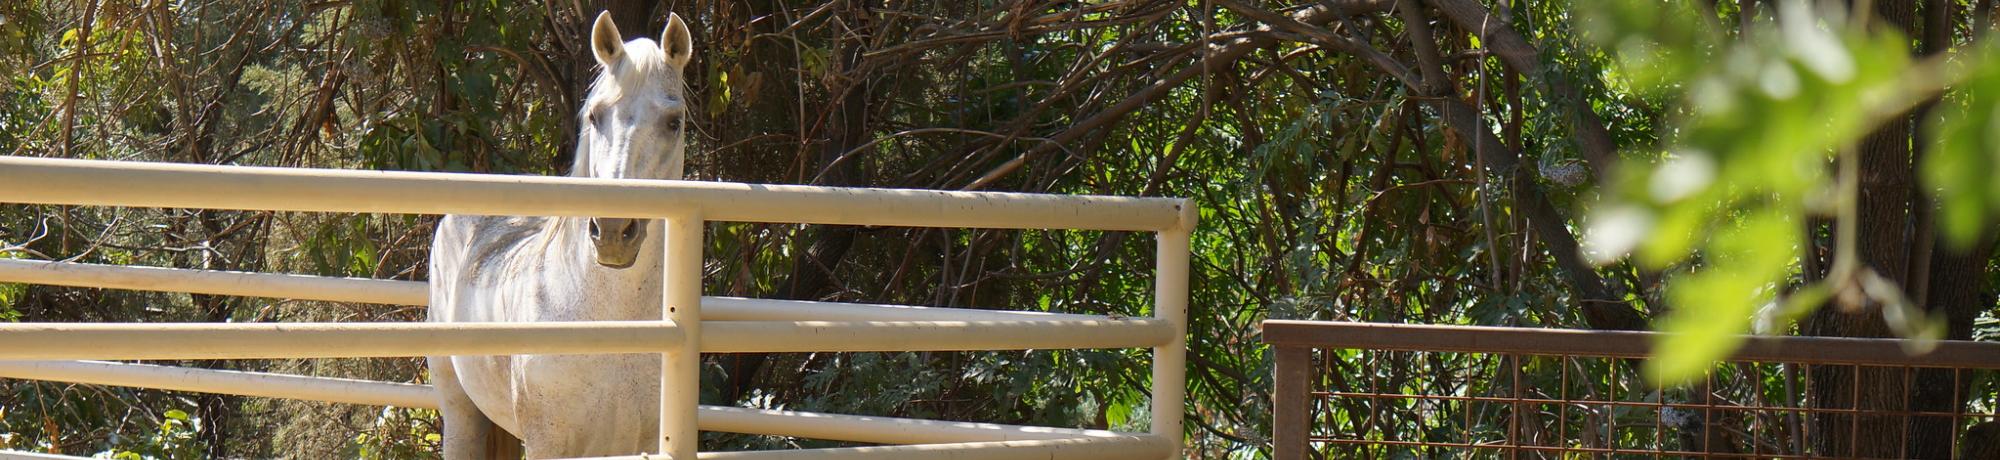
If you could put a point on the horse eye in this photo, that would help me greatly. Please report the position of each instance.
(674, 122)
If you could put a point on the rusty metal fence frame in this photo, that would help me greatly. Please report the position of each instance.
(1295, 398)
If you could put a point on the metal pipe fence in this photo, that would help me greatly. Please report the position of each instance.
(1361, 390)
(692, 324)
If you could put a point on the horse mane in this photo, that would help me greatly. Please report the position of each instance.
(642, 60)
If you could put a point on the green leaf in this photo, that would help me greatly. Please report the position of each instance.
(1961, 167)
(1656, 44)
(1714, 307)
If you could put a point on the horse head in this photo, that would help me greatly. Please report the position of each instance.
(634, 122)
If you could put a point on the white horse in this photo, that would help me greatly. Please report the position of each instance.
(488, 268)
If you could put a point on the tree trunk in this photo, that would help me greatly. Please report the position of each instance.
(1896, 240)
(1958, 290)
(1953, 282)
(1883, 245)
(847, 127)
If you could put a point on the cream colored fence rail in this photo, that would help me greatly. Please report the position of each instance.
(694, 325)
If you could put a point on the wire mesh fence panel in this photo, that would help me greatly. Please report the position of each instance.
(1416, 394)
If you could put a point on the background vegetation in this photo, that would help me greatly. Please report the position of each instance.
(1423, 161)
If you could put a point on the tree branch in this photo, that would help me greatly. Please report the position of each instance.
(1495, 34)
(1219, 58)
(1602, 308)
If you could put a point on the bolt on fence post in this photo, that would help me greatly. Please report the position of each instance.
(680, 376)
(1170, 303)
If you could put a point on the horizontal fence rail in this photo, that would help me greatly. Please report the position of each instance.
(882, 430)
(1128, 447)
(970, 440)
(741, 309)
(394, 292)
(741, 325)
(177, 185)
(260, 384)
(15, 455)
(1367, 390)
(887, 430)
(1617, 344)
(329, 340)
(378, 340)
(810, 336)
(216, 282)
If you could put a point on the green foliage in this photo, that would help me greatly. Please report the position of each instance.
(398, 434)
(366, 84)
(1658, 46)
(9, 293)
(1962, 167)
(1328, 190)
(1761, 119)
(174, 440)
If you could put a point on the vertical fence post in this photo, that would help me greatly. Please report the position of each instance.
(1290, 402)
(1170, 303)
(680, 377)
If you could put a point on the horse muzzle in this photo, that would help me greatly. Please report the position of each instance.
(617, 240)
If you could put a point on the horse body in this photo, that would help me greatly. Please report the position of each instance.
(527, 269)
(509, 269)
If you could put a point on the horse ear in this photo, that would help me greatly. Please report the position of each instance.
(605, 42)
(677, 41)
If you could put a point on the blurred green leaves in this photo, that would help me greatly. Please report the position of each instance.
(1745, 260)
(1760, 121)
(1962, 166)
(1656, 45)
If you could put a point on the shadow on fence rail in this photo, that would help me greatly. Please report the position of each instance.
(1363, 390)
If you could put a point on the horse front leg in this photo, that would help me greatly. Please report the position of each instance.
(468, 434)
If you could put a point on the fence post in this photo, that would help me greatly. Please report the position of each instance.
(1170, 303)
(1290, 402)
(680, 376)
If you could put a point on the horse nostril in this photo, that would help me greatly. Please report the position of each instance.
(631, 231)
(593, 229)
